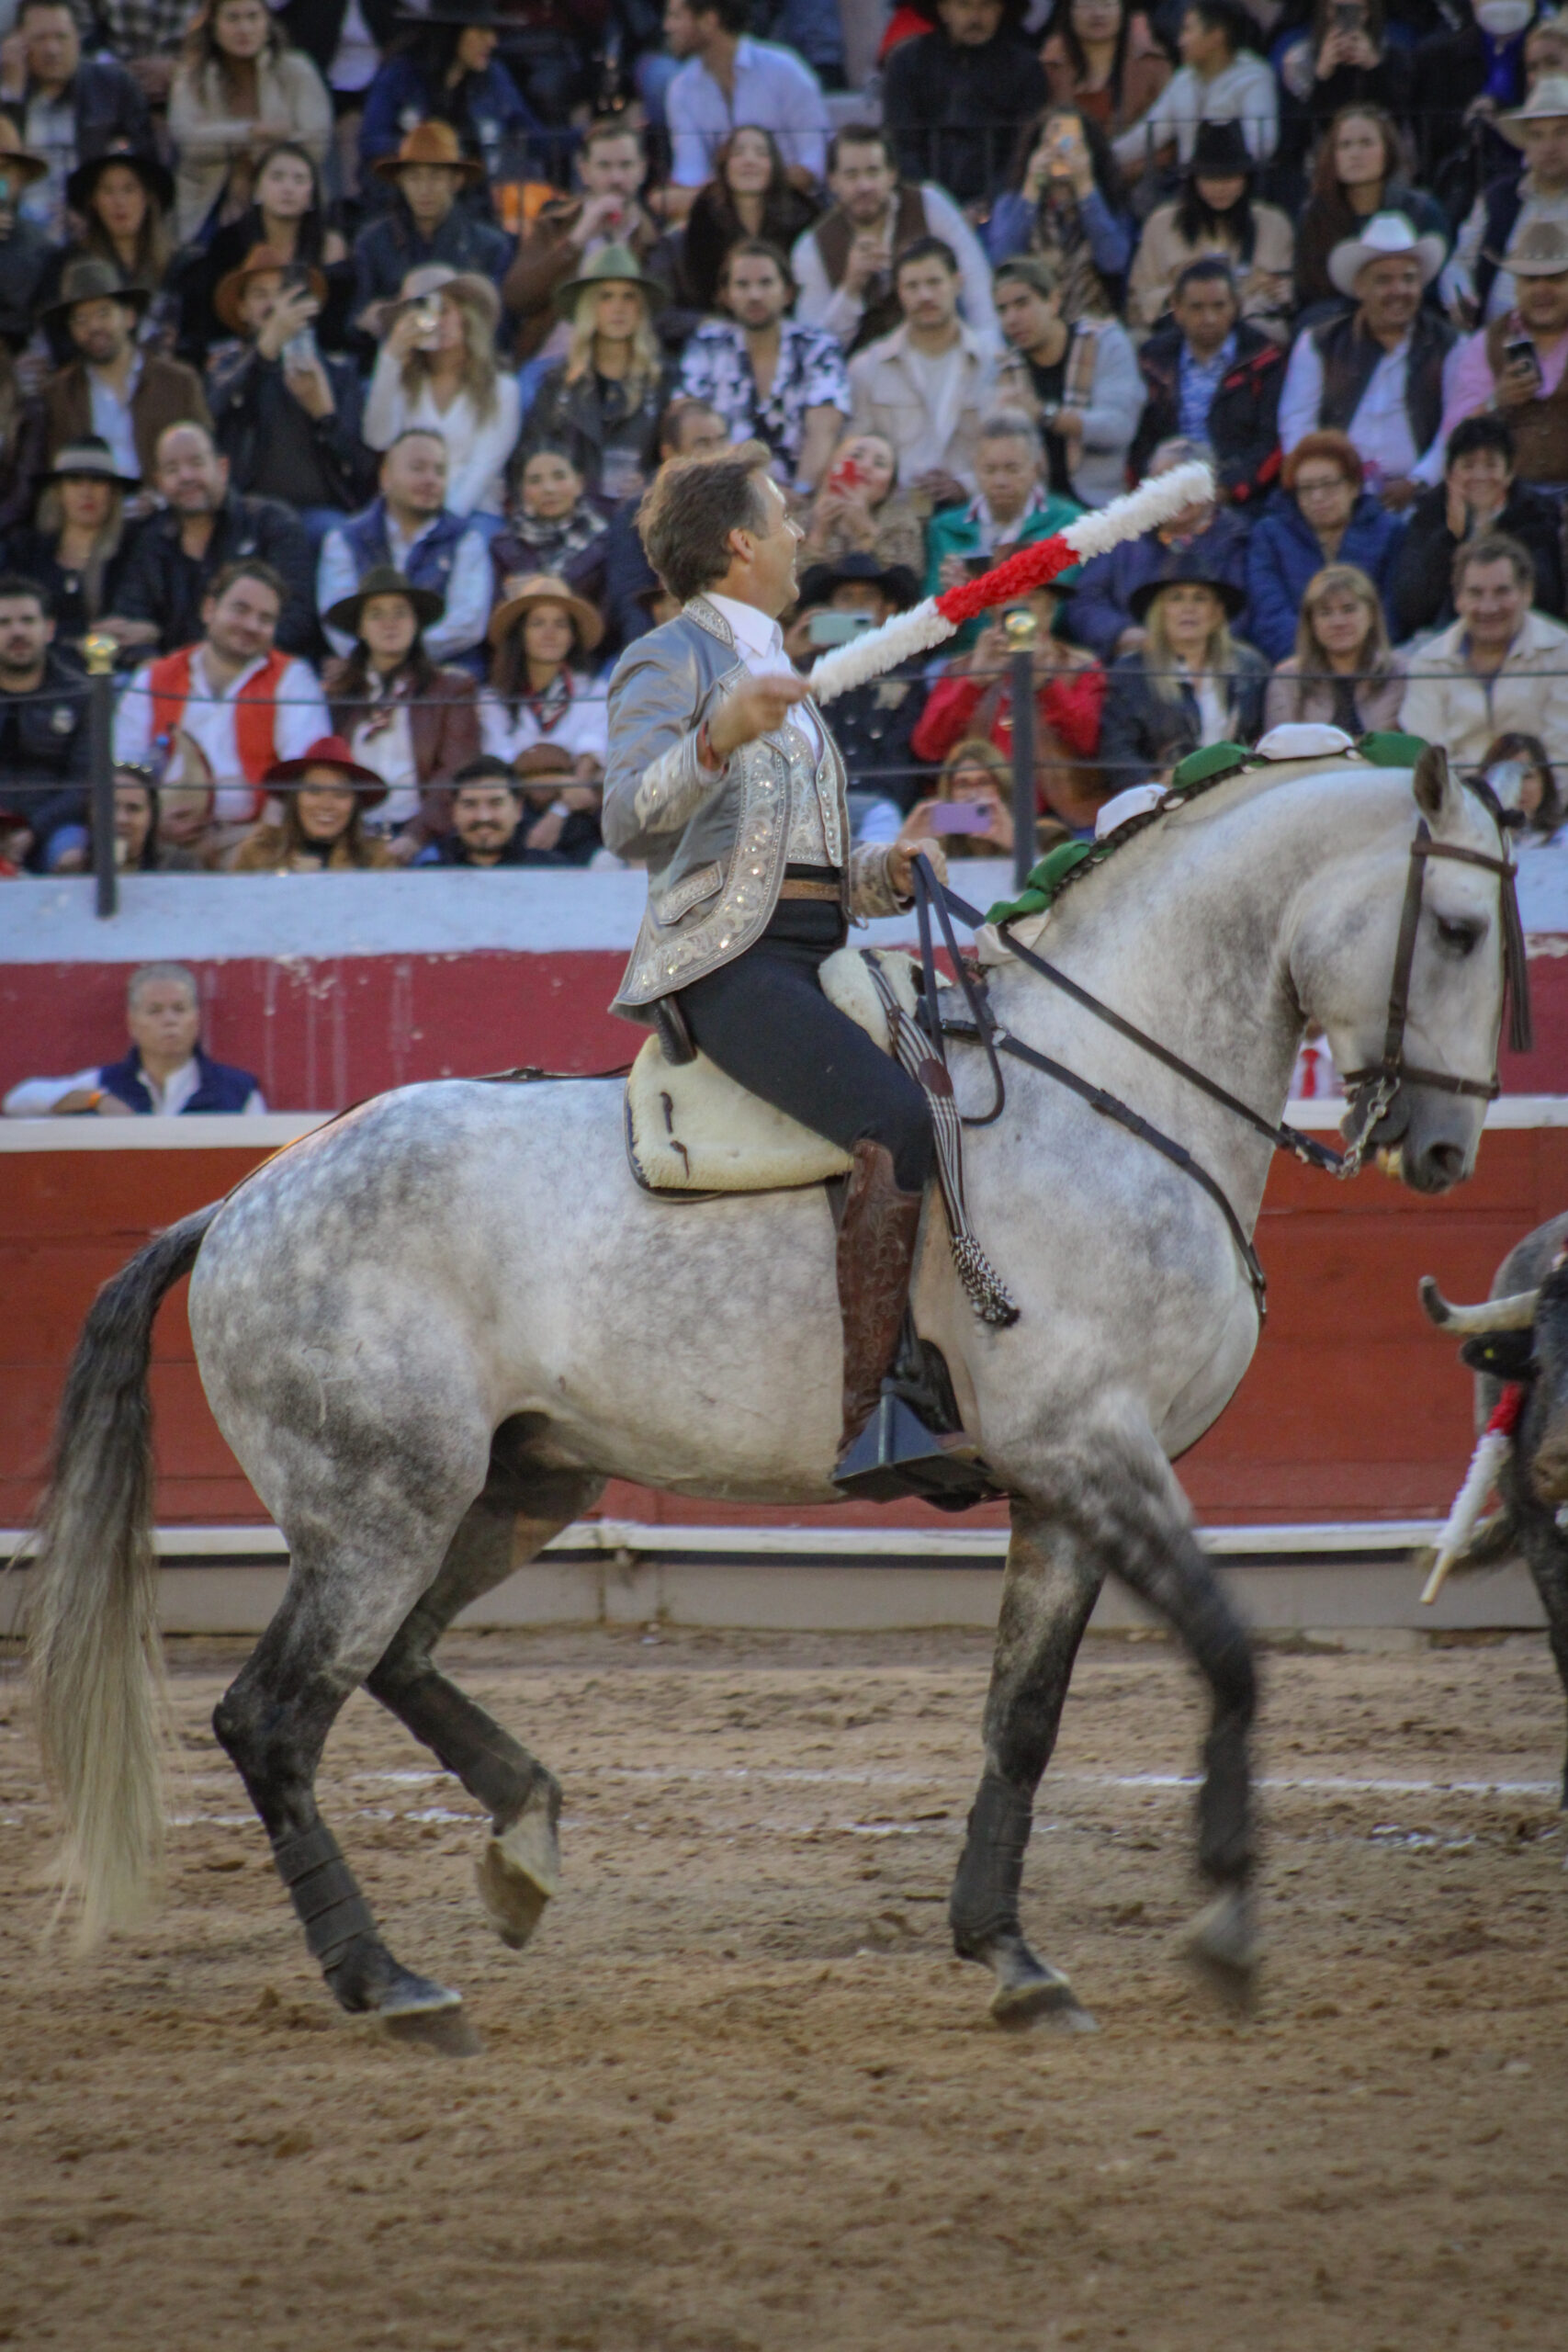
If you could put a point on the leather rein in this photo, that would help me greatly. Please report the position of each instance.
(1372, 1089)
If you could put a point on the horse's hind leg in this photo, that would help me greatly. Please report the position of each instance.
(516, 1517)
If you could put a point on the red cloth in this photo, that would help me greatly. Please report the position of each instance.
(255, 708)
(1069, 705)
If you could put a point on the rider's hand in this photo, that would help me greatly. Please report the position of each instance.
(901, 864)
(754, 707)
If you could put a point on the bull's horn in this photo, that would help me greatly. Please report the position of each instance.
(1514, 1314)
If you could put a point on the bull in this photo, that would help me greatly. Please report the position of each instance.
(1515, 1343)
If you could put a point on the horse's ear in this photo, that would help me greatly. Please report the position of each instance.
(1431, 783)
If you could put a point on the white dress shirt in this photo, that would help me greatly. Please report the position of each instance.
(112, 419)
(478, 448)
(759, 643)
(468, 586)
(299, 718)
(774, 90)
(1380, 428)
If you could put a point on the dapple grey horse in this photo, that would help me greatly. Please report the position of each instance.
(432, 1329)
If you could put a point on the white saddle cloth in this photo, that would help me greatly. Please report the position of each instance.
(691, 1129)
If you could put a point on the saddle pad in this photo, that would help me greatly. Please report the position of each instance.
(691, 1129)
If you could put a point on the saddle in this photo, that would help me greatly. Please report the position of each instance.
(689, 1129)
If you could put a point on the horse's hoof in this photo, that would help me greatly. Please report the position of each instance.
(517, 1875)
(1050, 2002)
(409, 1996)
(1222, 1949)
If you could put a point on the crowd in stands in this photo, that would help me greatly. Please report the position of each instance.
(339, 343)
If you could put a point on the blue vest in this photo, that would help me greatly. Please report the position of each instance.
(221, 1089)
(430, 559)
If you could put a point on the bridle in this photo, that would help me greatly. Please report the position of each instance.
(1372, 1090)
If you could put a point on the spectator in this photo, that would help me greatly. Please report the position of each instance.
(424, 227)
(1101, 617)
(873, 724)
(1477, 281)
(43, 720)
(1517, 768)
(614, 572)
(413, 721)
(185, 835)
(487, 821)
(975, 698)
(166, 1072)
(955, 97)
(239, 88)
(146, 38)
(1477, 496)
(27, 257)
(322, 830)
(975, 774)
(204, 527)
(1516, 364)
(567, 230)
(1217, 213)
(123, 201)
(286, 214)
(1341, 672)
(286, 414)
(444, 74)
(437, 369)
(410, 529)
(1357, 175)
(1100, 57)
(860, 507)
(1013, 508)
(1320, 515)
(771, 378)
(537, 694)
(135, 829)
(232, 698)
(843, 266)
(1066, 206)
(552, 520)
(602, 402)
(1213, 376)
(1499, 666)
(128, 397)
(562, 798)
(1221, 80)
(24, 431)
(66, 108)
(1192, 682)
(1338, 61)
(727, 79)
(1081, 383)
(750, 196)
(1377, 372)
(76, 552)
(1482, 59)
(924, 387)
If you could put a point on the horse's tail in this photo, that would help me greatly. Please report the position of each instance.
(93, 1633)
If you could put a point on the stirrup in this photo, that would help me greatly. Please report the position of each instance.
(897, 1456)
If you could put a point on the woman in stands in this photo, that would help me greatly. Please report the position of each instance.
(75, 547)
(861, 510)
(1321, 515)
(239, 89)
(1191, 683)
(1066, 202)
(437, 369)
(288, 215)
(1342, 672)
(1520, 774)
(601, 403)
(413, 720)
(537, 692)
(445, 69)
(1216, 213)
(975, 698)
(1101, 58)
(977, 778)
(1359, 173)
(324, 796)
(123, 202)
(750, 195)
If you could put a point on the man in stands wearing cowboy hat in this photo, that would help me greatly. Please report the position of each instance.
(425, 223)
(128, 396)
(872, 723)
(1477, 282)
(286, 414)
(1515, 366)
(1377, 372)
(724, 780)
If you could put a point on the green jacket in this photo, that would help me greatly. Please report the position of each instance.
(954, 531)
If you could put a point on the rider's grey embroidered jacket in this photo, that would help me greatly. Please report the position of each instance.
(716, 846)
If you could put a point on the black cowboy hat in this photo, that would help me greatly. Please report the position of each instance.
(896, 582)
(1220, 153)
(1192, 566)
(384, 580)
(158, 182)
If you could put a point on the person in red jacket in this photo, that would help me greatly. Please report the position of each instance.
(975, 697)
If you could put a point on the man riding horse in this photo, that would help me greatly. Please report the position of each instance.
(723, 779)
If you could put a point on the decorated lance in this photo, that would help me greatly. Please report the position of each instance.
(937, 618)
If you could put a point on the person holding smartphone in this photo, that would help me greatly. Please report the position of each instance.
(286, 414)
(971, 810)
(1515, 368)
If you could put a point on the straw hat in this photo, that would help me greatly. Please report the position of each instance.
(231, 287)
(440, 277)
(611, 265)
(429, 142)
(1548, 102)
(1386, 233)
(532, 588)
(1536, 249)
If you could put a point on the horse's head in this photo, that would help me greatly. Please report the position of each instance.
(1401, 953)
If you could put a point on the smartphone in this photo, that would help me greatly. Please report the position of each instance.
(837, 629)
(296, 278)
(1521, 352)
(428, 315)
(300, 351)
(976, 566)
(1350, 16)
(844, 476)
(960, 816)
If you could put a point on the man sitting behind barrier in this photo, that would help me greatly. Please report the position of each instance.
(166, 1072)
(487, 810)
(410, 529)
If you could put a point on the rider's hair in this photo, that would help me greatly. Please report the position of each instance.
(691, 508)
(1495, 547)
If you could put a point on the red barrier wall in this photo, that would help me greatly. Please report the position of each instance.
(1353, 1408)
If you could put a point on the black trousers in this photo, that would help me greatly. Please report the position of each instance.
(765, 1021)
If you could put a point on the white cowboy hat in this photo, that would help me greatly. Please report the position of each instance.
(1384, 234)
(1548, 102)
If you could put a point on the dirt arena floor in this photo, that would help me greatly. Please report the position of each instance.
(739, 2097)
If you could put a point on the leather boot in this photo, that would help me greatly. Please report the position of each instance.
(876, 1258)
